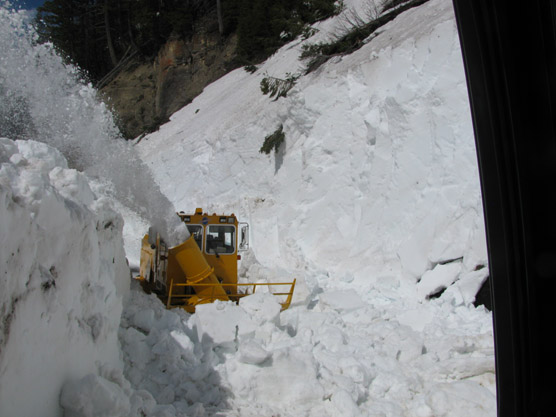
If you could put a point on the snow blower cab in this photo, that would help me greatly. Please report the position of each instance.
(204, 267)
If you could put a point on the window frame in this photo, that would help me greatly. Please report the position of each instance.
(188, 225)
(234, 239)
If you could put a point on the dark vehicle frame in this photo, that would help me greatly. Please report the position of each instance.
(509, 51)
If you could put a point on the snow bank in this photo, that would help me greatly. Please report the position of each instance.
(378, 174)
(63, 276)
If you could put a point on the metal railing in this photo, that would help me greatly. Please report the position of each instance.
(230, 296)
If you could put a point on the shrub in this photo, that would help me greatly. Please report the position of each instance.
(250, 68)
(356, 30)
(308, 31)
(278, 87)
(273, 141)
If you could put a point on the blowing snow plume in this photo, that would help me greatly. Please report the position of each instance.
(44, 99)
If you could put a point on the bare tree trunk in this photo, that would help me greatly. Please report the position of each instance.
(130, 32)
(219, 14)
(109, 36)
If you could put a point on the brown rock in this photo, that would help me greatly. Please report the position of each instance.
(145, 94)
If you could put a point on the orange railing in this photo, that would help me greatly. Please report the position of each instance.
(233, 296)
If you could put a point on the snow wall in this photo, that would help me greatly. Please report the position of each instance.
(64, 273)
(63, 276)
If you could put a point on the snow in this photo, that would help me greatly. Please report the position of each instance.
(63, 278)
(373, 204)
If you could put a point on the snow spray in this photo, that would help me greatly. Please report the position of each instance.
(44, 99)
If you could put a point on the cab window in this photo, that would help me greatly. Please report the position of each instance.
(220, 239)
(196, 230)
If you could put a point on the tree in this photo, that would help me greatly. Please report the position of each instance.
(81, 30)
(97, 34)
(266, 25)
(109, 43)
(219, 16)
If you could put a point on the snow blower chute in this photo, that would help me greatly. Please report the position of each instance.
(204, 267)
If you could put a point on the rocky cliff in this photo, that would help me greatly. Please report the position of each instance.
(146, 92)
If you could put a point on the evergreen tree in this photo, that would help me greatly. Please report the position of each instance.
(265, 25)
(97, 34)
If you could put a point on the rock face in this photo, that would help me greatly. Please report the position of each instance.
(145, 94)
(131, 95)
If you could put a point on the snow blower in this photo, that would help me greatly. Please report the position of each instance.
(203, 268)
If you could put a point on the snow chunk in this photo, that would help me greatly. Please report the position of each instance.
(416, 318)
(223, 322)
(465, 290)
(262, 307)
(344, 404)
(439, 278)
(144, 319)
(460, 399)
(94, 396)
(294, 379)
(253, 353)
(341, 300)
(72, 184)
(7, 149)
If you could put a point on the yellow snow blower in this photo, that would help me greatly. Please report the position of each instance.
(204, 267)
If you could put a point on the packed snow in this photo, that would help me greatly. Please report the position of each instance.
(61, 258)
(373, 204)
